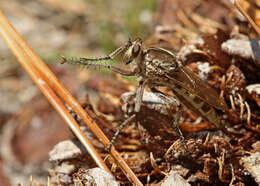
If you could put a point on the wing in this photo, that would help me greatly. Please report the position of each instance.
(184, 77)
(187, 79)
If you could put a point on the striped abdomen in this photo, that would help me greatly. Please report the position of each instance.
(197, 105)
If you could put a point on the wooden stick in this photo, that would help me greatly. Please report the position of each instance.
(249, 19)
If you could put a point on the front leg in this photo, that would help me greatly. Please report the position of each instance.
(88, 62)
(138, 102)
(139, 95)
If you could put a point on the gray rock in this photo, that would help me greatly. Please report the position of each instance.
(252, 164)
(174, 179)
(95, 177)
(64, 150)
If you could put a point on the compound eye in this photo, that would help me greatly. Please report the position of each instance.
(136, 50)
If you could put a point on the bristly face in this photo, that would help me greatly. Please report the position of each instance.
(133, 49)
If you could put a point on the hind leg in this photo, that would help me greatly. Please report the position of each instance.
(170, 102)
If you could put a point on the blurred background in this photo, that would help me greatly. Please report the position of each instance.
(29, 127)
(104, 24)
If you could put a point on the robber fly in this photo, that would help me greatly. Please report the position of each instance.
(158, 67)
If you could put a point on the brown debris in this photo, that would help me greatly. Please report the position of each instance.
(235, 83)
(211, 42)
(3, 177)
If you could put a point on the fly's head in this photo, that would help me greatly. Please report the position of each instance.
(133, 49)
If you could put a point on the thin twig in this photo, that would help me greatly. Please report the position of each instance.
(241, 105)
(249, 19)
(155, 166)
(206, 140)
(233, 175)
(184, 19)
(221, 161)
(248, 113)
(232, 102)
(171, 148)
(229, 77)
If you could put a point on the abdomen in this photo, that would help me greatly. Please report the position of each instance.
(197, 105)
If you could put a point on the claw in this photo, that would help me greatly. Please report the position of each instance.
(64, 60)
